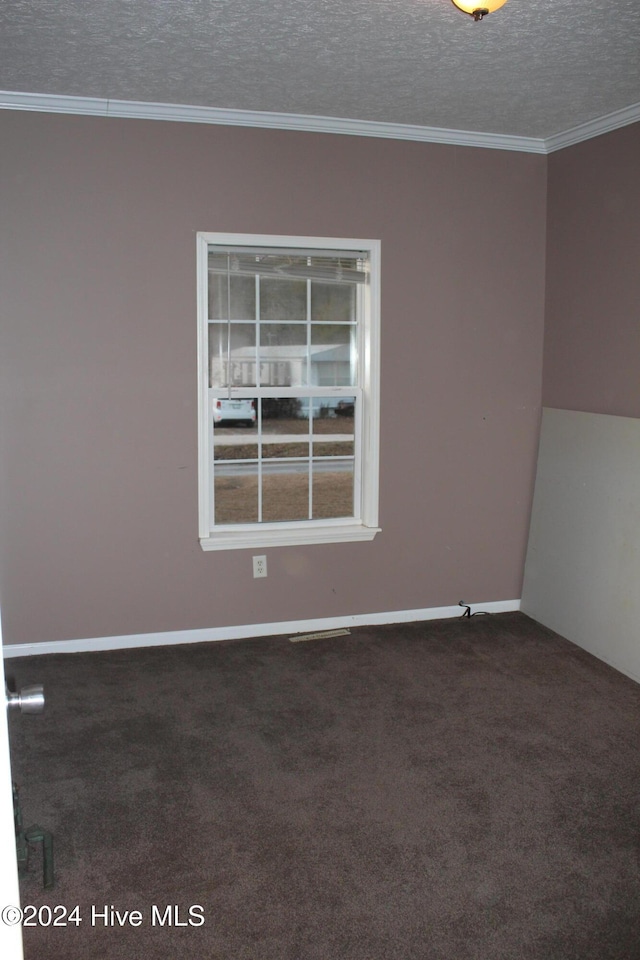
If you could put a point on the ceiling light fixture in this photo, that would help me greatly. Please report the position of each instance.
(478, 13)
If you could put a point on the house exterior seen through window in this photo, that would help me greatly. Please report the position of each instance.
(289, 384)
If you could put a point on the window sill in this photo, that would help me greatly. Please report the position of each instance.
(288, 536)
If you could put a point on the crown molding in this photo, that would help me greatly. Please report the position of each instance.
(594, 128)
(184, 113)
(91, 106)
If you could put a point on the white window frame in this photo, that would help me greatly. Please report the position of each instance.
(295, 533)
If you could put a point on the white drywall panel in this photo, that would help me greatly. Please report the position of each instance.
(582, 571)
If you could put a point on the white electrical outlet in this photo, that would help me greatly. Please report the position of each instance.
(259, 567)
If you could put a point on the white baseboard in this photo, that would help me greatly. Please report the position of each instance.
(245, 631)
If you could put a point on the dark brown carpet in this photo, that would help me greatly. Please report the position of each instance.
(453, 790)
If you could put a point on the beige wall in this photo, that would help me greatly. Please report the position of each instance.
(99, 487)
(592, 338)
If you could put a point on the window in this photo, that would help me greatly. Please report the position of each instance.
(288, 383)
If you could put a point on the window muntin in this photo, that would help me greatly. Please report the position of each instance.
(295, 332)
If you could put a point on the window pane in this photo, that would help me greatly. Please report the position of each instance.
(236, 493)
(332, 355)
(230, 297)
(333, 301)
(236, 451)
(332, 489)
(285, 491)
(285, 416)
(279, 373)
(283, 448)
(283, 299)
(239, 339)
(276, 335)
(334, 415)
(283, 354)
(231, 415)
(332, 334)
(333, 427)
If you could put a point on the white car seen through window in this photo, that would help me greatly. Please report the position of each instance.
(234, 411)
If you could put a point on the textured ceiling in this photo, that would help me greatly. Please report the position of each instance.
(532, 69)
